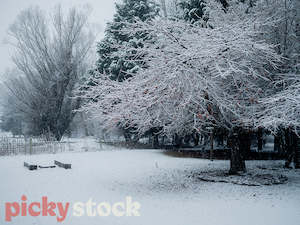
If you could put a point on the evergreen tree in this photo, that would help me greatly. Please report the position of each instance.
(193, 10)
(113, 60)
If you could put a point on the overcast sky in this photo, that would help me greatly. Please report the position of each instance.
(103, 11)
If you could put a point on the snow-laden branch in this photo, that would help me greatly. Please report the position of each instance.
(194, 76)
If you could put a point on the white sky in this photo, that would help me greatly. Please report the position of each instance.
(103, 11)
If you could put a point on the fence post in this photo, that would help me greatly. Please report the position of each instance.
(25, 145)
(100, 144)
(30, 146)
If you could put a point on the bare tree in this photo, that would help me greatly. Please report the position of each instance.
(51, 54)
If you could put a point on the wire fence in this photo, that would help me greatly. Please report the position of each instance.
(30, 146)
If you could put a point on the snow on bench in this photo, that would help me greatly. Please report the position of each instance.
(63, 165)
(30, 167)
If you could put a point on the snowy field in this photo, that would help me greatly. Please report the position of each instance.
(161, 184)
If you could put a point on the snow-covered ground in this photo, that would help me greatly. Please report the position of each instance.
(161, 184)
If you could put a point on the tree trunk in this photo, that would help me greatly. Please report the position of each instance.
(289, 149)
(297, 152)
(293, 151)
(211, 145)
(57, 135)
(127, 136)
(237, 160)
(86, 129)
(155, 143)
(245, 143)
(260, 139)
(220, 138)
(292, 146)
(196, 139)
(277, 147)
(177, 140)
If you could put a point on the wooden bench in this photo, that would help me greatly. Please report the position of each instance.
(30, 167)
(47, 167)
(63, 165)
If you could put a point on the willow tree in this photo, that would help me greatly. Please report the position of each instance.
(51, 53)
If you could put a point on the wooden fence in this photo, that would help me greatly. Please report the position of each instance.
(29, 146)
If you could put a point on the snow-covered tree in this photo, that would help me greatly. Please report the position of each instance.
(280, 107)
(196, 77)
(189, 10)
(119, 64)
(51, 55)
(193, 10)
